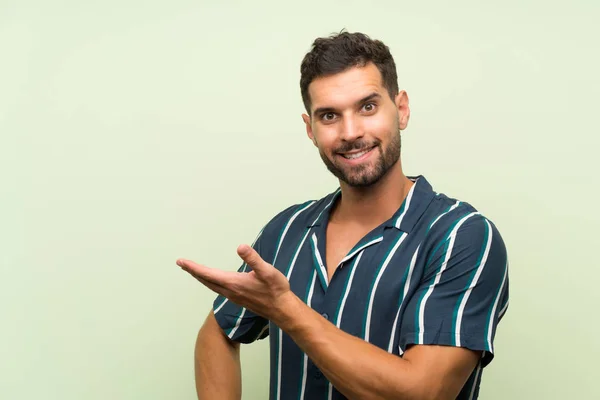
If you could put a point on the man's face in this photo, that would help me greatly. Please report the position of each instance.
(356, 125)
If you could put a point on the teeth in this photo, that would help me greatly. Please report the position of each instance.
(356, 155)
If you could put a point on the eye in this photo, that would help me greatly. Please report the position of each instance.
(329, 116)
(369, 107)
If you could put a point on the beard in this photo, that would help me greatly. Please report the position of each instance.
(366, 174)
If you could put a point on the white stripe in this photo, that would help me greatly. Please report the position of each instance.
(475, 382)
(237, 323)
(374, 289)
(280, 350)
(305, 369)
(320, 260)
(243, 267)
(465, 298)
(338, 320)
(221, 306)
(492, 314)
(413, 261)
(327, 206)
(288, 227)
(302, 243)
(408, 198)
(438, 276)
(239, 320)
(280, 345)
(501, 313)
(312, 289)
(350, 255)
(350, 279)
(289, 274)
(280, 334)
(444, 213)
(331, 201)
(262, 331)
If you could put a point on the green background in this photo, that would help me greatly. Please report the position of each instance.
(136, 132)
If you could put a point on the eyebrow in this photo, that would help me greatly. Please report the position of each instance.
(323, 110)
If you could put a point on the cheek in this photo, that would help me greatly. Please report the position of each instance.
(380, 127)
(325, 139)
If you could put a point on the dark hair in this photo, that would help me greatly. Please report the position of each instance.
(344, 50)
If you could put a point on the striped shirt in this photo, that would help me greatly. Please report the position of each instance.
(435, 273)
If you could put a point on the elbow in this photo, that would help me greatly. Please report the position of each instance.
(211, 339)
(420, 389)
(428, 390)
(423, 388)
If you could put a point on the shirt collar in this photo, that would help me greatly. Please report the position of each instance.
(323, 215)
(414, 205)
(405, 218)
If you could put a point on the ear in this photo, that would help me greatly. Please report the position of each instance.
(309, 130)
(403, 109)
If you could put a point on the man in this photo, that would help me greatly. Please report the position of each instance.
(383, 289)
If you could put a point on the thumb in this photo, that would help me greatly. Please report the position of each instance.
(252, 258)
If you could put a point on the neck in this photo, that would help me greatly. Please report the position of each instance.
(375, 204)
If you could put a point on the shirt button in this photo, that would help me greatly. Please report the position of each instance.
(318, 374)
(324, 315)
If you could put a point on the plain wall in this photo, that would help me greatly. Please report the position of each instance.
(133, 133)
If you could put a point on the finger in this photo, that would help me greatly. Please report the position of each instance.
(252, 258)
(211, 275)
(214, 287)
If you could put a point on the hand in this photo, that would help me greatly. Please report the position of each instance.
(264, 290)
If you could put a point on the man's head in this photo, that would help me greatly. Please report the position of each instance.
(355, 111)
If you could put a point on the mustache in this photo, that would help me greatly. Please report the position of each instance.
(356, 145)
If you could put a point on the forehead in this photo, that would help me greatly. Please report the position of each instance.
(345, 88)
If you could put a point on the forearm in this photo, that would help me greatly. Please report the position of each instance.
(217, 364)
(359, 370)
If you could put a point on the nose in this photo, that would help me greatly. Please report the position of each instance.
(350, 129)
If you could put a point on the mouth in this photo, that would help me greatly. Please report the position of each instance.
(356, 154)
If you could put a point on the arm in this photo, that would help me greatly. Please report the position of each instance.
(360, 370)
(356, 368)
(217, 363)
(460, 297)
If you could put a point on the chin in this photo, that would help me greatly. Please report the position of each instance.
(368, 177)
(360, 185)
(361, 181)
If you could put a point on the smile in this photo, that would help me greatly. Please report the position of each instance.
(356, 155)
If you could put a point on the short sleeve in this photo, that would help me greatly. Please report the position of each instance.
(463, 291)
(238, 323)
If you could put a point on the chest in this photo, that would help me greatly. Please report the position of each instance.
(340, 240)
(365, 295)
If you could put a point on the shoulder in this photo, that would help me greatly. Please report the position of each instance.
(296, 216)
(447, 214)
(457, 228)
